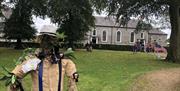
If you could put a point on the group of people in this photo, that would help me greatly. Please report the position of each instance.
(149, 47)
(138, 46)
(89, 46)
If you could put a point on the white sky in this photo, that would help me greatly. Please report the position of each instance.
(167, 31)
(39, 22)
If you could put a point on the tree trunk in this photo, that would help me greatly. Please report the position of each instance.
(70, 39)
(19, 44)
(71, 44)
(174, 48)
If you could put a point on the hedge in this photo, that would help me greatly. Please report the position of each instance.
(79, 46)
(33, 45)
(24, 44)
(113, 47)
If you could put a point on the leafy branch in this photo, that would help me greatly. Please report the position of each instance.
(26, 52)
(69, 53)
(9, 78)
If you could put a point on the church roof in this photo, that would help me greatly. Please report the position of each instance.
(156, 31)
(6, 11)
(111, 22)
(104, 21)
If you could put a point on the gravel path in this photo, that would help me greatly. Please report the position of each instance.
(163, 80)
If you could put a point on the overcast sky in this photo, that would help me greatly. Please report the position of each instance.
(40, 22)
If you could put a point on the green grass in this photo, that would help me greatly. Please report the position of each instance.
(101, 70)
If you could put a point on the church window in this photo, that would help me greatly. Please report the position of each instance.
(118, 36)
(132, 37)
(104, 36)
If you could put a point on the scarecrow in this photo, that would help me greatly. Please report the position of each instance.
(46, 65)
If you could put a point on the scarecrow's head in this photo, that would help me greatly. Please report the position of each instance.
(47, 37)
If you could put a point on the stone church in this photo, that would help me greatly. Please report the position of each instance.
(106, 31)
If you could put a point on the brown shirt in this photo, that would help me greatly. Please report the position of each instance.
(51, 75)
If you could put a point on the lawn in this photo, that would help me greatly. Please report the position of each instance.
(100, 70)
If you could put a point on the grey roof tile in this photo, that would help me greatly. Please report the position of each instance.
(110, 21)
(156, 31)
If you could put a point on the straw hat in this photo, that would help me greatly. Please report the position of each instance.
(48, 30)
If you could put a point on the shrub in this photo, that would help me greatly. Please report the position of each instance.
(113, 47)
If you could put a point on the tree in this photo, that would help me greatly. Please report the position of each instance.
(124, 9)
(74, 18)
(18, 26)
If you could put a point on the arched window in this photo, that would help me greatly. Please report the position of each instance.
(94, 32)
(142, 35)
(118, 36)
(132, 37)
(104, 36)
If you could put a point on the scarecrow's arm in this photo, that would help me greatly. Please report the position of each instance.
(19, 74)
(22, 69)
(72, 75)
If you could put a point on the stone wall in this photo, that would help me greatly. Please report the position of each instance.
(125, 36)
